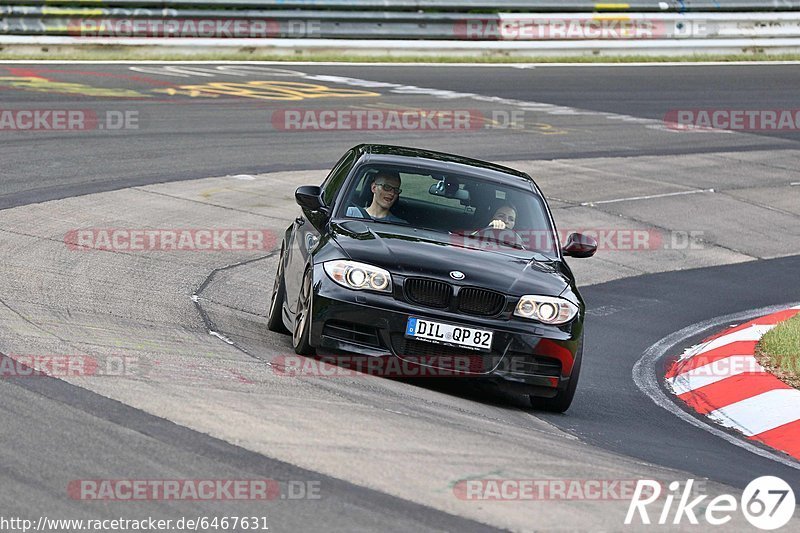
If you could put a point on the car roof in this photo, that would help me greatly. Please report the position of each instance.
(401, 155)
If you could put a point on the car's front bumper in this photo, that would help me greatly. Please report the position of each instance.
(526, 357)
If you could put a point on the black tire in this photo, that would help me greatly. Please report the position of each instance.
(302, 318)
(275, 316)
(561, 401)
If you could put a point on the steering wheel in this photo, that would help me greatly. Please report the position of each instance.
(505, 236)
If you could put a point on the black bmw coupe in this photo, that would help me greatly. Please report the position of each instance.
(438, 260)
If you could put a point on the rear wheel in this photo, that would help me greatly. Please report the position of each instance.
(302, 319)
(275, 316)
(561, 401)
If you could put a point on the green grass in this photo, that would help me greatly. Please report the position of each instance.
(119, 53)
(779, 351)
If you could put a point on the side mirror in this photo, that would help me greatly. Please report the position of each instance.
(580, 245)
(309, 197)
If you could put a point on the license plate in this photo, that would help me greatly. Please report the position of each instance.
(475, 339)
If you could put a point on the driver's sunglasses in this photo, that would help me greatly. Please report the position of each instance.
(505, 218)
(386, 187)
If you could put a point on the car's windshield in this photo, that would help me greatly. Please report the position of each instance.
(472, 211)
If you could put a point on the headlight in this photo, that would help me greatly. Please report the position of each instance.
(359, 276)
(546, 309)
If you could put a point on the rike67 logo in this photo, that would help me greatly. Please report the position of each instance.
(768, 503)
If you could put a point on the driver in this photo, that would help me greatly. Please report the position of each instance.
(385, 192)
(505, 217)
(502, 226)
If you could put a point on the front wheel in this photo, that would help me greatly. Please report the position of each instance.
(561, 401)
(275, 316)
(302, 319)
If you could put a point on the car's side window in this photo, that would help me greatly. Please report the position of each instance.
(357, 195)
(339, 163)
(337, 176)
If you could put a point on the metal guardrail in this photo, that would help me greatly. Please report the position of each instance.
(203, 23)
(659, 23)
(464, 6)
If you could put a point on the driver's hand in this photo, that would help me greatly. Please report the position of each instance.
(497, 224)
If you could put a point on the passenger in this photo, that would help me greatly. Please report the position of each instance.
(385, 192)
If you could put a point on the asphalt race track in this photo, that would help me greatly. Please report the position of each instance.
(200, 146)
(222, 135)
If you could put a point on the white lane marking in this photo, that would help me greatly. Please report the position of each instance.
(646, 379)
(681, 131)
(713, 372)
(760, 413)
(445, 94)
(186, 71)
(648, 197)
(221, 337)
(397, 88)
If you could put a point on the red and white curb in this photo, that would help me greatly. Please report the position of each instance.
(721, 379)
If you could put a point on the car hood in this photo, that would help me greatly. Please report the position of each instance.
(412, 252)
